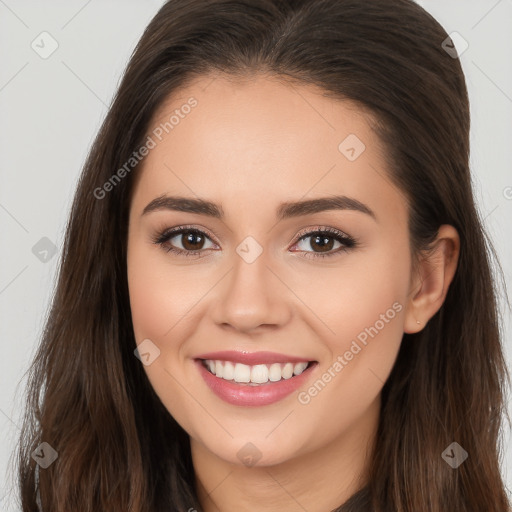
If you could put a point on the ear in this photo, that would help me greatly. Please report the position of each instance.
(432, 278)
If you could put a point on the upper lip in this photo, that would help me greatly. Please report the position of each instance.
(252, 358)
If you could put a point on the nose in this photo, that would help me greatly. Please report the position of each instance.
(252, 298)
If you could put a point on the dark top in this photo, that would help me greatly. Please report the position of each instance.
(358, 502)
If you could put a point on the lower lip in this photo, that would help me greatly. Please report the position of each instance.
(245, 394)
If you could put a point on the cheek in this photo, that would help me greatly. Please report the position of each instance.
(149, 297)
(161, 294)
(159, 304)
(364, 293)
(364, 305)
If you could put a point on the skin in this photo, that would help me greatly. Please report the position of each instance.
(250, 145)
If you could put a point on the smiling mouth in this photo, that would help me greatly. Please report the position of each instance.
(255, 375)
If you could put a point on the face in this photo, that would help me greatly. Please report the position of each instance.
(273, 283)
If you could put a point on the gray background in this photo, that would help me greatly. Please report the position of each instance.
(51, 109)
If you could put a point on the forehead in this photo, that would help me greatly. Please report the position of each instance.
(261, 139)
(250, 112)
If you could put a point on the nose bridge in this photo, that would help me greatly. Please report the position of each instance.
(251, 295)
(250, 266)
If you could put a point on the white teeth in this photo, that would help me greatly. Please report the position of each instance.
(228, 372)
(256, 374)
(274, 373)
(242, 372)
(259, 373)
(299, 368)
(287, 371)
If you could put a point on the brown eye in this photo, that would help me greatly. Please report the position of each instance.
(324, 242)
(192, 241)
(184, 241)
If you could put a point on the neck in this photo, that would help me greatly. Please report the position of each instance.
(317, 481)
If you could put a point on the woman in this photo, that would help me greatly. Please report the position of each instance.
(275, 291)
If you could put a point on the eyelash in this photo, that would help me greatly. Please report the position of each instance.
(162, 239)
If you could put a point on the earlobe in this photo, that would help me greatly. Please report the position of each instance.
(434, 275)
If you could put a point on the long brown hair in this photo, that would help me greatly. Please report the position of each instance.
(118, 448)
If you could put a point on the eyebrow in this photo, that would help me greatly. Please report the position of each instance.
(284, 211)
